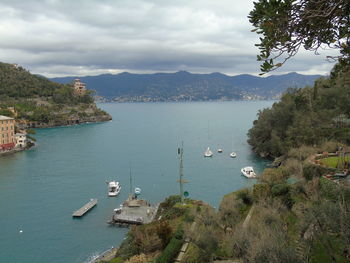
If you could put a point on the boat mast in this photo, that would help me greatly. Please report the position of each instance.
(130, 191)
(181, 181)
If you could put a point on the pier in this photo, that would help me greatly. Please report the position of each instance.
(134, 212)
(86, 208)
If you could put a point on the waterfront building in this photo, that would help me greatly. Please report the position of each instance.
(7, 133)
(21, 140)
(79, 87)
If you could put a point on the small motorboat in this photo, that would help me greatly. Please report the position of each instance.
(113, 188)
(233, 155)
(248, 172)
(220, 150)
(208, 153)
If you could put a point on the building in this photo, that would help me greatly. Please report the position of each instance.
(21, 140)
(7, 133)
(79, 87)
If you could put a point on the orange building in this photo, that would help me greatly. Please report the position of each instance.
(79, 87)
(7, 133)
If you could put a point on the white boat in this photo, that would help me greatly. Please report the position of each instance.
(208, 153)
(233, 155)
(113, 188)
(248, 172)
(220, 150)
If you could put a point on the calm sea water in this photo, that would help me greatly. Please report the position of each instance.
(40, 188)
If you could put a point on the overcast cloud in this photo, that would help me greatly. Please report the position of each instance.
(90, 37)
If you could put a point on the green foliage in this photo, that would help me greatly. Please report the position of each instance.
(38, 99)
(245, 196)
(16, 82)
(310, 171)
(304, 117)
(6, 112)
(279, 189)
(287, 25)
(170, 252)
(30, 131)
(164, 232)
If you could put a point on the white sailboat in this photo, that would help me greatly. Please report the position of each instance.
(208, 153)
(233, 155)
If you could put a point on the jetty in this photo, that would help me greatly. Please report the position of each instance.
(134, 212)
(86, 208)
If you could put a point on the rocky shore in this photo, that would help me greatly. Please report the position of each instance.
(67, 122)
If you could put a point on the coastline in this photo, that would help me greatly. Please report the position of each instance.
(16, 150)
(106, 256)
(68, 122)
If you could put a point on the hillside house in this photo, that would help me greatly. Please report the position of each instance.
(7, 133)
(79, 87)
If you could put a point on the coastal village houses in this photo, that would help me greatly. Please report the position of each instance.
(79, 87)
(21, 140)
(7, 133)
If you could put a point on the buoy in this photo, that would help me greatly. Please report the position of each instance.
(137, 191)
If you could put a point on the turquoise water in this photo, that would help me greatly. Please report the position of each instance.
(40, 188)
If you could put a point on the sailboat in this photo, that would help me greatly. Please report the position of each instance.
(208, 153)
(233, 154)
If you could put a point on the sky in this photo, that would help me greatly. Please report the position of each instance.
(58, 38)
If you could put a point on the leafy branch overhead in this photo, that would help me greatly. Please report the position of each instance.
(287, 25)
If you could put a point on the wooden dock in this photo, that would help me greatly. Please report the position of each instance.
(86, 208)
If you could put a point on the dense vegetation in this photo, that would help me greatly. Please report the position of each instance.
(285, 26)
(17, 83)
(38, 99)
(308, 116)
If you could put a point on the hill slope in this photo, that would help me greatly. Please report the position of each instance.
(182, 86)
(39, 102)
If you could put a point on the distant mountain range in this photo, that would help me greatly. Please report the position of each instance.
(185, 86)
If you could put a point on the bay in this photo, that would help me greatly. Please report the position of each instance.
(41, 187)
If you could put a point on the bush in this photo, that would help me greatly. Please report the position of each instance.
(170, 252)
(301, 153)
(261, 191)
(245, 196)
(310, 171)
(293, 167)
(330, 146)
(279, 189)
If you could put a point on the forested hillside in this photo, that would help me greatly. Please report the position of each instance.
(41, 101)
(307, 116)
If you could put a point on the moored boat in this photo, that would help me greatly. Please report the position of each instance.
(233, 155)
(208, 153)
(113, 188)
(248, 172)
(220, 150)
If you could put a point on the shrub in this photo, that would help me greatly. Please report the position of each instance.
(310, 171)
(301, 153)
(279, 189)
(170, 252)
(293, 167)
(261, 191)
(245, 196)
(330, 146)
